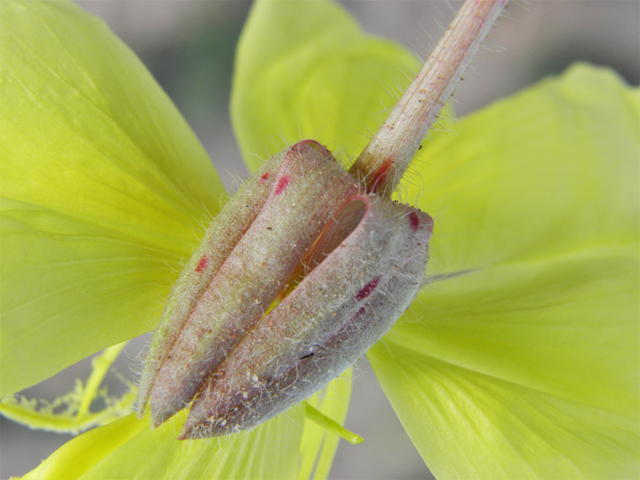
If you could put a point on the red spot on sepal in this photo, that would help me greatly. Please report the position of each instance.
(282, 184)
(203, 263)
(367, 289)
(414, 221)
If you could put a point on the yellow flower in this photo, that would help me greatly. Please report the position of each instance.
(520, 359)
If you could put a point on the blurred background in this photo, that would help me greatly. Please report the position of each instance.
(189, 48)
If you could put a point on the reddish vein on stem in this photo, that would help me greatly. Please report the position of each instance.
(387, 156)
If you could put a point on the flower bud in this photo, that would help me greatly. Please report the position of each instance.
(296, 278)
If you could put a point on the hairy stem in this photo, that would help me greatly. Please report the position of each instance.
(387, 156)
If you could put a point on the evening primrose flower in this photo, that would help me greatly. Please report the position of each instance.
(520, 359)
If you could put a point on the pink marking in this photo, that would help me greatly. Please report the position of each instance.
(282, 184)
(264, 177)
(202, 264)
(414, 221)
(367, 289)
(311, 144)
(379, 175)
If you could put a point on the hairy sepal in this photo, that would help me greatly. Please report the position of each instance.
(240, 267)
(340, 309)
(296, 278)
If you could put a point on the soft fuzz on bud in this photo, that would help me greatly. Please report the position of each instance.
(295, 279)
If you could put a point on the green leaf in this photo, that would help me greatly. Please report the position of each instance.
(526, 342)
(306, 70)
(103, 191)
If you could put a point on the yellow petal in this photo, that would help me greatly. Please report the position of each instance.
(523, 352)
(470, 425)
(287, 446)
(550, 170)
(103, 190)
(306, 70)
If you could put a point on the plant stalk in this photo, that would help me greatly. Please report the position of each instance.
(388, 154)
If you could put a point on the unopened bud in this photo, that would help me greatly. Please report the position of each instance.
(296, 278)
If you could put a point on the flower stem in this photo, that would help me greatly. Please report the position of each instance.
(387, 156)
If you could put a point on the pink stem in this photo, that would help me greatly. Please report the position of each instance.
(387, 156)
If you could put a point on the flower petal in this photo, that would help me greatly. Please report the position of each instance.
(276, 449)
(237, 456)
(306, 70)
(553, 169)
(470, 425)
(529, 333)
(101, 185)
